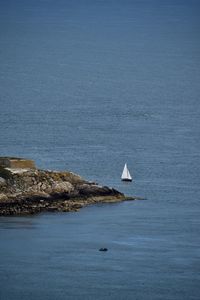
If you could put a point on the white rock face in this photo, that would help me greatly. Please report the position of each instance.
(3, 197)
(2, 181)
(17, 170)
(60, 187)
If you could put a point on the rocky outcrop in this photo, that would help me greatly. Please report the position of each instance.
(29, 191)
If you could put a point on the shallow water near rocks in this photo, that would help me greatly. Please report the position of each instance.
(87, 87)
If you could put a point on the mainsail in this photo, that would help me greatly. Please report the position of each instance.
(126, 176)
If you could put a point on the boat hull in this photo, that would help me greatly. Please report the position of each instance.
(126, 179)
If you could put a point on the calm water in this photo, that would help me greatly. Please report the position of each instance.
(87, 86)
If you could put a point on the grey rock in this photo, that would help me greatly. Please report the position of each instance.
(2, 181)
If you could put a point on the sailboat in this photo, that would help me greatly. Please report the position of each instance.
(126, 176)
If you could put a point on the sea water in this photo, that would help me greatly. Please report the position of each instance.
(87, 86)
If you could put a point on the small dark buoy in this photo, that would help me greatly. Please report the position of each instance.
(103, 249)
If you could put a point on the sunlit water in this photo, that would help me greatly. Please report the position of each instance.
(88, 86)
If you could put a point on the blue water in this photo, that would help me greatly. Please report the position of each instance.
(87, 86)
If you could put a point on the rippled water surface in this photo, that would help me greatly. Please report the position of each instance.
(88, 86)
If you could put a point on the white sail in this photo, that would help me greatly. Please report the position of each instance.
(126, 174)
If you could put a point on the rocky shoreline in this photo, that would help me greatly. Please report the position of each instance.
(30, 191)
